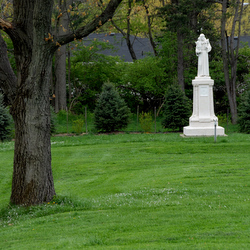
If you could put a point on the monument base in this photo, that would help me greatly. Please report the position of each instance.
(203, 131)
(203, 120)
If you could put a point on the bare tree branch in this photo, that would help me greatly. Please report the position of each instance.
(106, 16)
(4, 24)
(149, 28)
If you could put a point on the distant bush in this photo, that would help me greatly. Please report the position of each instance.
(146, 121)
(244, 113)
(5, 121)
(78, 125)
(177, 109)
(111, 112)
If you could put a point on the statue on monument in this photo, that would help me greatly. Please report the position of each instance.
(202, 48)
(203, 121)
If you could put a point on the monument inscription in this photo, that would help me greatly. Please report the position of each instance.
(204, 91)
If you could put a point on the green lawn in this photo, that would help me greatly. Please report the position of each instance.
(136, 191)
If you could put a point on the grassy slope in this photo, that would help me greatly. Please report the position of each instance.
(140, 191)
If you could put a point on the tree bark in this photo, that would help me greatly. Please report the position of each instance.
(60, 58)
(34, 47)
(32, 181)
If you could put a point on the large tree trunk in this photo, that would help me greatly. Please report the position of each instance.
(32, 175)
(34, 47)
(32, 181)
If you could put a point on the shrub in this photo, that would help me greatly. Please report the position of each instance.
(244, 113)
(78, 125)
(146, 121)
(5, 121)
(177, 109)
(111, 112)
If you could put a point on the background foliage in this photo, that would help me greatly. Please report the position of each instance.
(244, 113)
(5, 121)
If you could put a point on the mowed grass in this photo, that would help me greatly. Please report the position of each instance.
(136, 191)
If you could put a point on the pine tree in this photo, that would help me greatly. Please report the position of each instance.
(111, 111)
(244, 113)
(177, 109)
(5, 121)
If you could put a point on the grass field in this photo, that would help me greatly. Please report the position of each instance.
(136, 191)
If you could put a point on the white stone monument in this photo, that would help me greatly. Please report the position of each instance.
(203, 120)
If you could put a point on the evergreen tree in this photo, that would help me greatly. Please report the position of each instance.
(111, 111)
(5, 121)
(177, 109)
(244, 113)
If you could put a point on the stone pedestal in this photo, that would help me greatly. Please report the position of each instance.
(202, 122)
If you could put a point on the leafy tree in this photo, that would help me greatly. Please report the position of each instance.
(89, 70)
(143, 82)
(168, 55)
(244, 113)
(243, 68)
(111, 111)
(177, 109)
(5, 121)
(34, 45)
